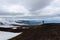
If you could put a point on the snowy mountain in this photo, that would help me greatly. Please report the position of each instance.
(29, 21)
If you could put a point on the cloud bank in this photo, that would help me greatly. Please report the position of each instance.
(30, 9)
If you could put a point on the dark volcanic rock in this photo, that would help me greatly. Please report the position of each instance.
(42, 32)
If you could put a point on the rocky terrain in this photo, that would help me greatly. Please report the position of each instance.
(50, 31)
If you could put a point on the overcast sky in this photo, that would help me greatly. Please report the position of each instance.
(30, 9)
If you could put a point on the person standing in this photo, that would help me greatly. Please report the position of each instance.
(43, 21)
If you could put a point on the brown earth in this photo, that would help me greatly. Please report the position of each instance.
(50, 31)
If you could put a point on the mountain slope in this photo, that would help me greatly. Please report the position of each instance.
(49, 31)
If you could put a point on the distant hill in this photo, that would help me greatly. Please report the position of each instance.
(28, 21)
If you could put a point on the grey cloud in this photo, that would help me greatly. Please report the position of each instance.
(7, 13)
(39, 6)
(36, 4)
(29, 4)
